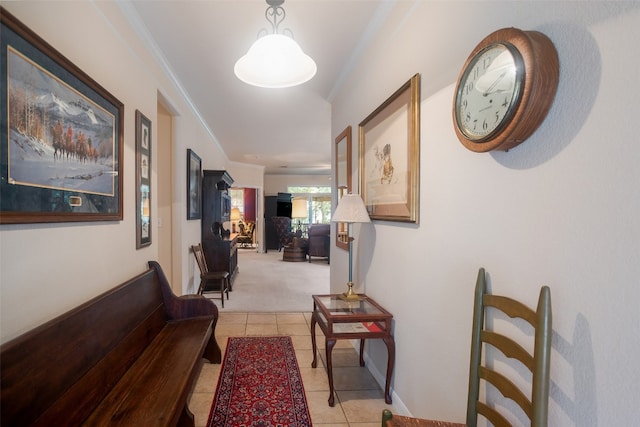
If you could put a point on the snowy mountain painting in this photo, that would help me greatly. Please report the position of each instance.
(58, 138)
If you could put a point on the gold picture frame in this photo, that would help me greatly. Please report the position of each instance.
(389, 156)
(342, 164)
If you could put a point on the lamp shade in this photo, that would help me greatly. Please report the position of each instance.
(351, 209)
(235, 214)
(299, 209)
(275, 61)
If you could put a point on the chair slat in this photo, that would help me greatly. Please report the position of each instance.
(492, 415)
(507, 388)
(509, 347)
(511, 308)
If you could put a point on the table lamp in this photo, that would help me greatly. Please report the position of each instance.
(350, 209)
(299, 210)
(234, 217)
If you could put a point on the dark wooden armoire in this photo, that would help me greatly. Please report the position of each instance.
(219, 245)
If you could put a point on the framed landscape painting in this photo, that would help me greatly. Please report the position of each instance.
(389, 156)
(60, 136)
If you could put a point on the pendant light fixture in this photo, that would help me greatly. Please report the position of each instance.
(275, 60)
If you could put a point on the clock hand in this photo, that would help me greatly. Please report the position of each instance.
(494, 84)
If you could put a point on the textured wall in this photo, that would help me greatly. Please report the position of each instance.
(562, 209)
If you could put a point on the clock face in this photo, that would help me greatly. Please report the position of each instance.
(489, 91)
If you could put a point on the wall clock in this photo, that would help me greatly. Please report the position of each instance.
(505, 89)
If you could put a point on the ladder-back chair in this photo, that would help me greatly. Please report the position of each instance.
(210, 281)
(535, 401)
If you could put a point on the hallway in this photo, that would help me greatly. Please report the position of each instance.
(359, 399)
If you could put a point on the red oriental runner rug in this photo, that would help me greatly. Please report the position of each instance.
(259, 385)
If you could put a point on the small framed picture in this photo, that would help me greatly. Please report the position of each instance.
(143, 181)
(194, 185)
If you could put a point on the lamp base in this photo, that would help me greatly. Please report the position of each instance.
(350, 295)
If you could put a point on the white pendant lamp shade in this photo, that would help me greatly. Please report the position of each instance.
(275, 61)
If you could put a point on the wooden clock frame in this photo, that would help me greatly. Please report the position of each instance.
(538, 88)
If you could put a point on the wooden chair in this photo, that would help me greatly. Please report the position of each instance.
(210, 281)
(535, 402)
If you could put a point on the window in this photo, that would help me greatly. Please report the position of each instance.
(237, 199)
(318, 203)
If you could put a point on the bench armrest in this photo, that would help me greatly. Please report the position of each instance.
(186, 306)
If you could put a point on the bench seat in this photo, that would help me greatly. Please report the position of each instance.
(128, 357)
(170, 363)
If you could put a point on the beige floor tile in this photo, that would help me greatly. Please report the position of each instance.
(230, 330)
(262, 318)
(304, 357)
(262, 329)
(232, 318)
(354, 378)
(290, 318)
(342, 357)
(363, 406)
(207, 379)
(222, 342)
(200, 405)
(301, 342)
(294, 329)
(314, 379)
(321, 412)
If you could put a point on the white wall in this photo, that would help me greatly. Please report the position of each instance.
(563, 209)
(274, 184)
(88, 258)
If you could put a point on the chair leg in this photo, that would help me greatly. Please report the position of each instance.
(222, 288)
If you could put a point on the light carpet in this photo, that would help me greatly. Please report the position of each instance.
(260, 385)
(265, 283)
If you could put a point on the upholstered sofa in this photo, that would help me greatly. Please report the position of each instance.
(319, 241)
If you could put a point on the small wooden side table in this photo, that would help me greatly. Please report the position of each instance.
(339, 319)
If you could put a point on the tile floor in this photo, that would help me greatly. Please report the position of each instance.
(359, 399)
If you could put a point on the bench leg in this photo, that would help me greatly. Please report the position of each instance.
(212, 352)
(186, 418)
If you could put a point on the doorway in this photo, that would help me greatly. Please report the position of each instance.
(244, 222)
(164, 193)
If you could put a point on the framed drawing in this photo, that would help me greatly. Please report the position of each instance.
(194, 185)
(143, 181)
(342, 165)
(61, 135)
(389, 157)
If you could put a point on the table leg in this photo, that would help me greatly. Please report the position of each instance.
(314, 363)
(329, 348)
(391, 349)
(362, 352)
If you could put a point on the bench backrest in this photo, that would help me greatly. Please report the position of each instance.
(67, 365)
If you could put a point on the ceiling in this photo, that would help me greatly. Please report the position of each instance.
(286, 130)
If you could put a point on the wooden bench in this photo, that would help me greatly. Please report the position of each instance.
(128, 357)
